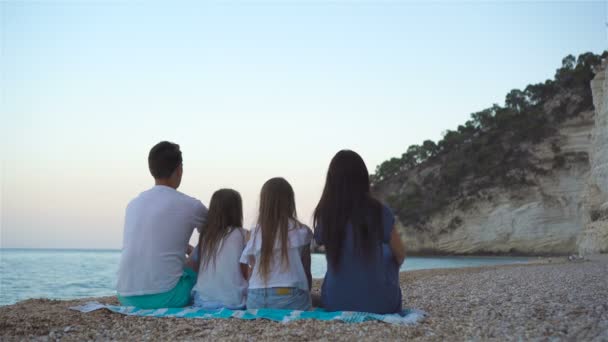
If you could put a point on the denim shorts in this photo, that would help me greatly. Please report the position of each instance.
(212, 304)
(291, 298)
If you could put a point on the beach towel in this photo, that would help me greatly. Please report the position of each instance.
(406, 317)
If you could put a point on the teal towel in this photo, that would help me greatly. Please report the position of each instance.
(406, 317)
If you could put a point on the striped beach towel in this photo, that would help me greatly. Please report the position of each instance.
(406, 317)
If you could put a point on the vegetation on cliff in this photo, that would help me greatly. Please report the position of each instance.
(491, 149)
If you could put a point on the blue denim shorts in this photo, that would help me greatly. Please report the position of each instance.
(211, 304)
(291, 298)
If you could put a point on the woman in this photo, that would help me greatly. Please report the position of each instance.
(362, 246)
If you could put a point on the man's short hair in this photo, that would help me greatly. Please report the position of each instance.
(163, 159)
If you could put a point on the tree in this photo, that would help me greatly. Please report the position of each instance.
(387, 169)
(488, 149)
(451, 139)
(584, 68)
(540, 92)
(568, 62)
(467, 130)
(483, 119)
(429, 148)
(504, 117)
(516, 100)
(563, 75)
(409, 158)
(416, 152)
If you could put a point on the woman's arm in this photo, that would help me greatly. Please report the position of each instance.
(397, 246)
(306, 263)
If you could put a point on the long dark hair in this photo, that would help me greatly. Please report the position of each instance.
(277, 207)
(225, 214)
(347, 199)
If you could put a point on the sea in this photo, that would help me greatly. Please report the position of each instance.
(78, 273)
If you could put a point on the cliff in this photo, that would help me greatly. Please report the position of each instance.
(534, 183)
(594, 236)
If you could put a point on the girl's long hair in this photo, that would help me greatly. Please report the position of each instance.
(277, 208)
(225, 214)
(347, 199)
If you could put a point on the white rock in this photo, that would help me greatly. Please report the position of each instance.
(594, 235)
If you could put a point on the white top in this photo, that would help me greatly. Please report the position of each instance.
(158, 226)
(280, 276)
(222, 282)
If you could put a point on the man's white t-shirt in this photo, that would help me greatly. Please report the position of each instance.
(221, 282)
(291, 275)
(158, 226)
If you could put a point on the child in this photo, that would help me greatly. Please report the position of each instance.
(221, 281)
(278, 252)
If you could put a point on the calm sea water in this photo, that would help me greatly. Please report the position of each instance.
(67, 274)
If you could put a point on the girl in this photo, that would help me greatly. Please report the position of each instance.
(278, 252)
(221, 279)
(362, 247)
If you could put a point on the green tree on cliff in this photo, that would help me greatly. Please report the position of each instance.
(491, 146)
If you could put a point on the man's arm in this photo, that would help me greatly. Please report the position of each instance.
(192, 258)
(200, 215)
(199, 219)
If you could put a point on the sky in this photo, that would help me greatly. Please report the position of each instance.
(249, 89)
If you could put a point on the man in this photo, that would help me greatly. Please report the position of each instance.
(158, 226)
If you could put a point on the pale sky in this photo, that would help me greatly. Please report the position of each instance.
(249, 89)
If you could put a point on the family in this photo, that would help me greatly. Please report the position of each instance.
(268, 266)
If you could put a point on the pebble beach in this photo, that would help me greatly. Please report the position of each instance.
(549, 299)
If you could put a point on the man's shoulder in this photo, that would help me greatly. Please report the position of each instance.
(195, 202)
(141, 197)
(154, 194)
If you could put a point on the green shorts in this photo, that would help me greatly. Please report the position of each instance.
(178, 297)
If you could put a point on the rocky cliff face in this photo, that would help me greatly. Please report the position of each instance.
(594, 235)
(561, 209)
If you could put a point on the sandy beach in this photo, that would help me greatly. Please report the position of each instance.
(549, 299)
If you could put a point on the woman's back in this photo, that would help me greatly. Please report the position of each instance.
(360, 283)
(220, 281)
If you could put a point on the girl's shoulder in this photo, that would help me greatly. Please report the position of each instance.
(253, 236)
(297, 225)
(237, 233)
(299, 234)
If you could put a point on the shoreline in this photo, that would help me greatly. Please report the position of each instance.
(535, 259)
(482, 254)
(550, 298)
